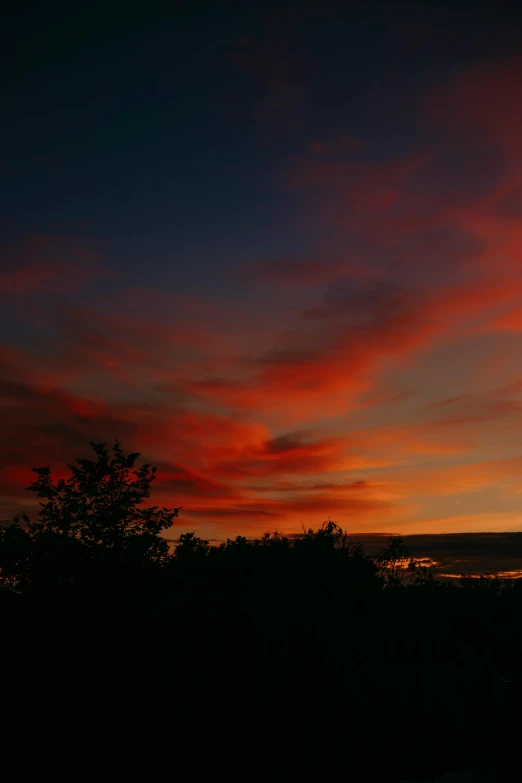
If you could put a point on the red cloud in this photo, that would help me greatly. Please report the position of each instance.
(294, 271)
(481, 99)
(48, 263)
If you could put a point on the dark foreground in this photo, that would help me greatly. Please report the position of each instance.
(283, 659)
(303, 658)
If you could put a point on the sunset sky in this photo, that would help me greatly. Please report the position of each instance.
(277, 249)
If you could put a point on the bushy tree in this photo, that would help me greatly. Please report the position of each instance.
(396, 566)
(94, 517)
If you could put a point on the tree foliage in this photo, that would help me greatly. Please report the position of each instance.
(94, 519)
(396, 567)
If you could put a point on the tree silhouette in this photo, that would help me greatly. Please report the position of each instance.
(396, 566)
(190, 545)
(92, 518)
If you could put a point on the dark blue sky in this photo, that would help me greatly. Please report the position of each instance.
(169, 134)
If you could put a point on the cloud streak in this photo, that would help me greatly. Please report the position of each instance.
(371, 379)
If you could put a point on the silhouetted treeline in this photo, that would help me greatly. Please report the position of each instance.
(304, 647)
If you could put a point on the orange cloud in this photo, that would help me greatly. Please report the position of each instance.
(464, 478)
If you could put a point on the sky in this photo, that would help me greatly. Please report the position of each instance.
(274, 247)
